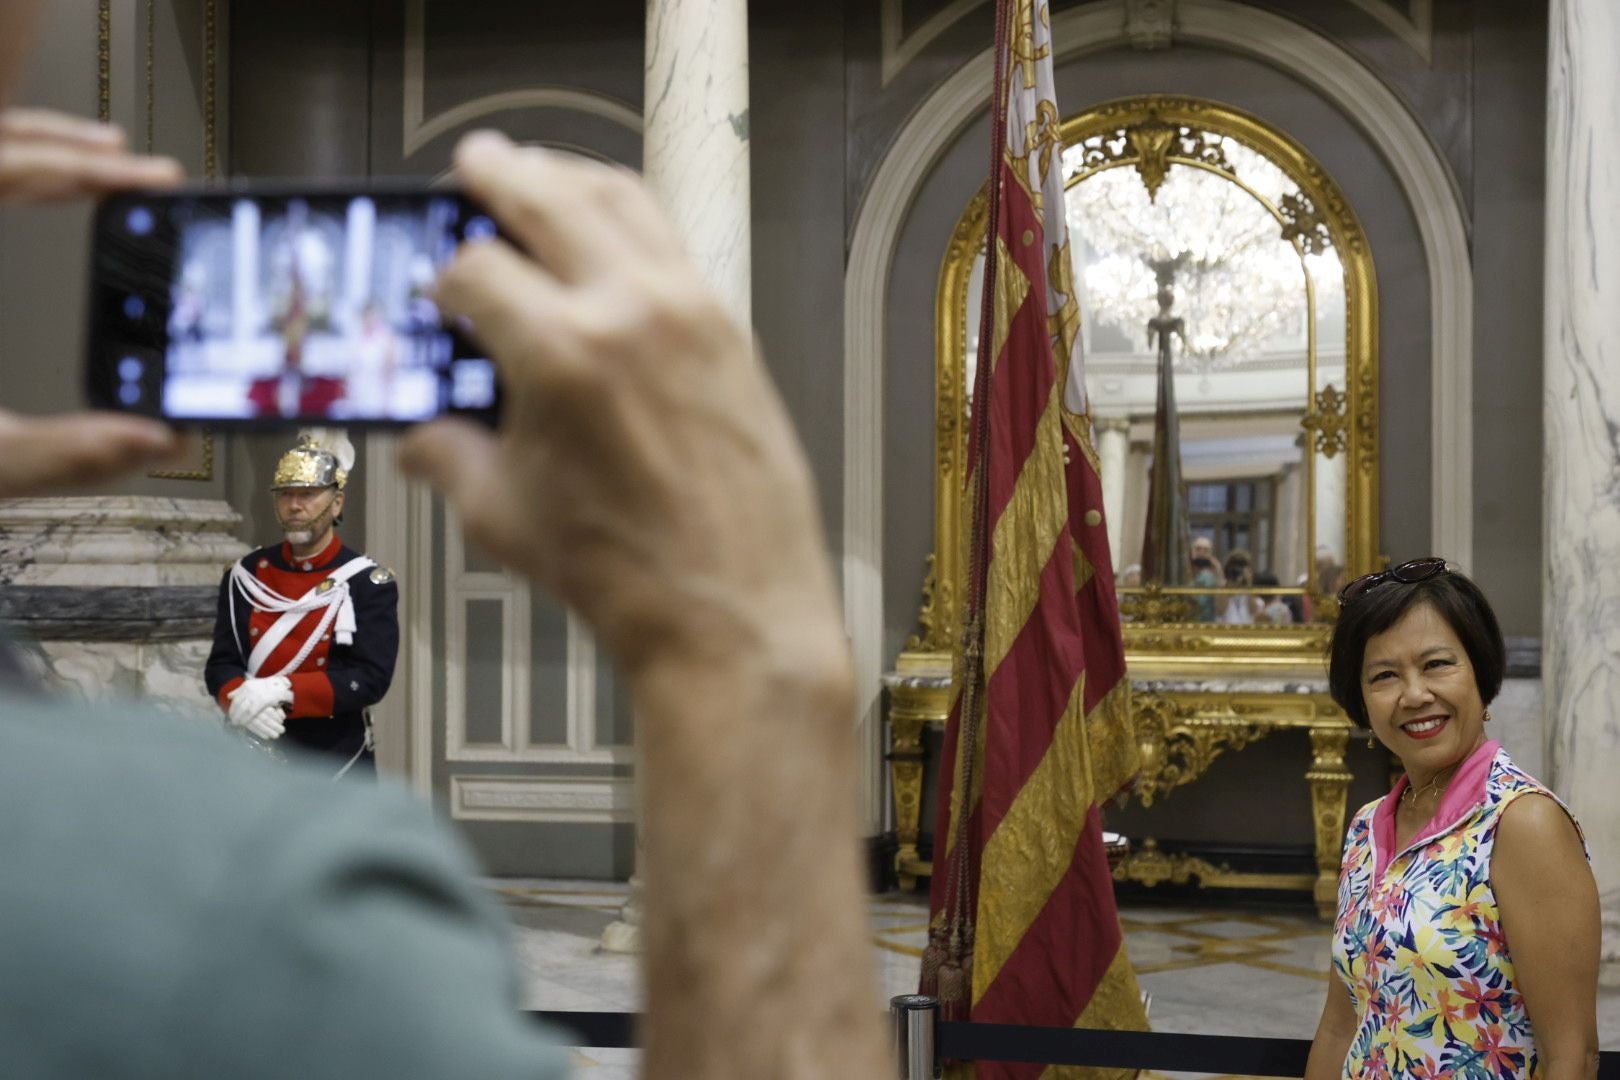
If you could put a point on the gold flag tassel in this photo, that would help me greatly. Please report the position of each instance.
(947, 963)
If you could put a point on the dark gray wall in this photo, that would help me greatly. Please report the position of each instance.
(1509, 181)
(300, 88)
(797, 109)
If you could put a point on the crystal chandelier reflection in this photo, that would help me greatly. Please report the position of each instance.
(1239, 285)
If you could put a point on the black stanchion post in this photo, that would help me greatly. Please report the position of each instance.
(914, 1018)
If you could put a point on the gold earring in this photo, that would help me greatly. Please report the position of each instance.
(1371, 741)
(1487, 716)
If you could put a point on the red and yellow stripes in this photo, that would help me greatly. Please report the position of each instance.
(1047, 944)
(1021, 873)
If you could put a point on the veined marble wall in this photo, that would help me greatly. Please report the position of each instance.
(1581, 412)
(115, 596)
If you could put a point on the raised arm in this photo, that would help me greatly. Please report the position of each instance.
(647, 474)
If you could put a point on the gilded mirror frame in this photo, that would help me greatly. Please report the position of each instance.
(1156, 637)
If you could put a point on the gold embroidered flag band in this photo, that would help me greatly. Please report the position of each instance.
(1023, 927)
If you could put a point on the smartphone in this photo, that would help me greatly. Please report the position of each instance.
(261, 306)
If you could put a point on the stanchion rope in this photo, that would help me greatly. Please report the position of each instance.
(966, 1041)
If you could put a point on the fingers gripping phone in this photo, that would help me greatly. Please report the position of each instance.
(255, 306)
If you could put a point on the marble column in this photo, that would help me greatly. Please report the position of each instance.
(1329, 509)
(1113, 448)
(1138, 463)
(1580, 413)
(1288, 557)
(695, 157)
(115, 596)
(695, 145)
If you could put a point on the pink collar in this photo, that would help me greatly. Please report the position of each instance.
(1466, 791)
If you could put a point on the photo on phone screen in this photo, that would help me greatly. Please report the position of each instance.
(264, 308)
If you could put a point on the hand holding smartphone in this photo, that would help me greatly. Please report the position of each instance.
(260, 306)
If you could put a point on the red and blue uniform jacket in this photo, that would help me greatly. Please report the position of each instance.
(334, 684)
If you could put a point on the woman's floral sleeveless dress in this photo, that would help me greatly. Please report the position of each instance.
(1421, 947)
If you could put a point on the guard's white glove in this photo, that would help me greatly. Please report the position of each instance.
(268, 724)
(258, 706)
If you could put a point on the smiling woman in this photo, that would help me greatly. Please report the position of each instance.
(1467, 930)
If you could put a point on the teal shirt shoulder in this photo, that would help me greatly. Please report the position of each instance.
(173, 905)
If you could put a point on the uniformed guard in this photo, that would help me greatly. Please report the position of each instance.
(308, 630)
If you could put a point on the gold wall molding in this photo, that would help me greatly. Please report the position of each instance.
(104, 59)
(203, 470)
(151, 73)
(210, 90)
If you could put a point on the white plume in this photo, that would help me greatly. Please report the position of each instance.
(334, 441)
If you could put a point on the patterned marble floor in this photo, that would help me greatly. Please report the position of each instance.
(1209, 971)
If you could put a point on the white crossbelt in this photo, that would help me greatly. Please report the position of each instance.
(333, 601)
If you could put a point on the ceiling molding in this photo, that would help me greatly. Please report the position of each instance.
(901, 48)
(419, 129)
(1412, 22)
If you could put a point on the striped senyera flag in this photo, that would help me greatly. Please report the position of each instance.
(1023, 926)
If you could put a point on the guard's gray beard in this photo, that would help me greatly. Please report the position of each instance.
(300, 537)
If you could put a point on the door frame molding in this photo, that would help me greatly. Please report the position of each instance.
(399, 516)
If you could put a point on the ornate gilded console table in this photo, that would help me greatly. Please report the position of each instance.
(1182, 726)
(919, 695)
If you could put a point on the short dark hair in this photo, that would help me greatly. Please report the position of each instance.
(1453, 596)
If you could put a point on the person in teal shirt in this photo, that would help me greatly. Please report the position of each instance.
(171, 906)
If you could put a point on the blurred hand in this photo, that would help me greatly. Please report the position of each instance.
(645, 471)
(49, 156)
(44, 454)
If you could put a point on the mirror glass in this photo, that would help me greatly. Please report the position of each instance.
(1212, 264)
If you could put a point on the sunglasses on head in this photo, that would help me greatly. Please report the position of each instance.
(1408, 573)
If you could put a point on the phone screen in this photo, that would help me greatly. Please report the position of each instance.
(233, 307)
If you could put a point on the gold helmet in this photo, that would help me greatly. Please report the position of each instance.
(322, 458)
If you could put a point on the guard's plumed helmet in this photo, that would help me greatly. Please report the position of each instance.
(322, 458)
